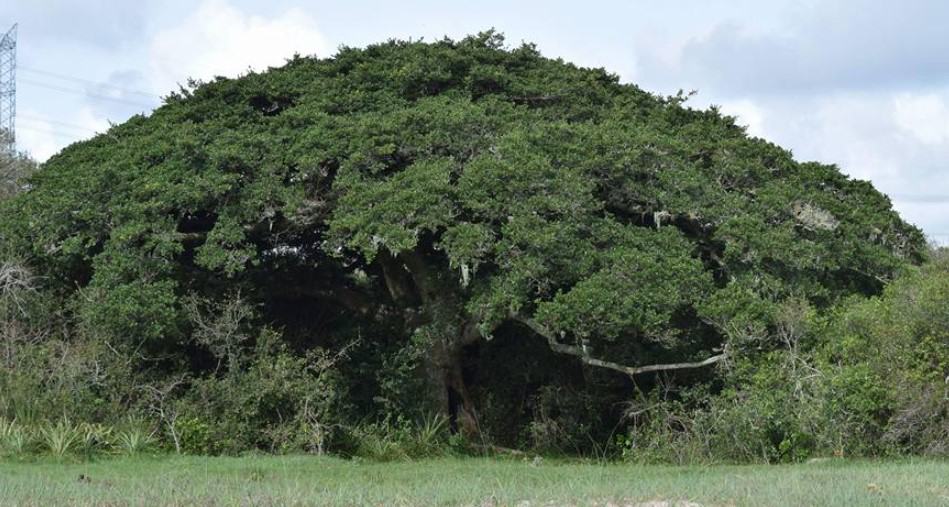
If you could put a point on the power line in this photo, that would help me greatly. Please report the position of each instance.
(59, 123)
(51, 125)
(71, 136)
(87, 81)
(60, 131)
(87, 94)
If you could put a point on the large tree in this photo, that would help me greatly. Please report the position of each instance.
(445, 192)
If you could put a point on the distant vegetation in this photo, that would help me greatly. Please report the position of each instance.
(417, 249)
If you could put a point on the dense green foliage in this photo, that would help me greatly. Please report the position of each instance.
(867, 378)
(453, 228)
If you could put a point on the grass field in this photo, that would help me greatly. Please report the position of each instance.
(302, 480)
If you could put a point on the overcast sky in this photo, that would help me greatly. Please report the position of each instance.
(861, 84)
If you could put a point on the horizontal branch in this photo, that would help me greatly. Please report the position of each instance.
(572, 350)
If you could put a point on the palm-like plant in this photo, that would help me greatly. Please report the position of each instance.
(135, 438)
(60, 438)
(15, 439)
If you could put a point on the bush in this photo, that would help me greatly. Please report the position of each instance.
(868, 378)
(890, 362)
(274, 400)
(561, 420)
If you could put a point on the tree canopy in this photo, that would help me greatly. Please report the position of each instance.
(437, 197)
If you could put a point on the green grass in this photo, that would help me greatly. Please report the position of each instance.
(303, 480)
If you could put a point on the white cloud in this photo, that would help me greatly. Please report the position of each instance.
(92, 119)
(747, 114)
(218, 39)
(40, 139)
(212, 38)
(825, 46)
(934, 215)
(925, 117)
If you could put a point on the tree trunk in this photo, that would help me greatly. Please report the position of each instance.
(445, 365)
(448, 391)
(452, 331)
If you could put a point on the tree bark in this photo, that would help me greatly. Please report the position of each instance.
(446, 375)
(451, 331)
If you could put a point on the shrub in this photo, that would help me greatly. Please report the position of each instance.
(868, 378)
(275, 400)
(560, 422)
(890, 362)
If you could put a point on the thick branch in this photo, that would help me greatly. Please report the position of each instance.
(397, 280)
(425, 279)
(437, 295)
(572, 350)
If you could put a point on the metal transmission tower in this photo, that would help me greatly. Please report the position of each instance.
(8, 90)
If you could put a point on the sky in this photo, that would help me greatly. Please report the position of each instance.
(863, 84)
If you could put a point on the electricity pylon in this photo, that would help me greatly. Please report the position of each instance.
(8, 91)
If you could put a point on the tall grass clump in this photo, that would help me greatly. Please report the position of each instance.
(134, 438)
(15, 439)
(95, 438)
(390, 440)
(61, 438)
